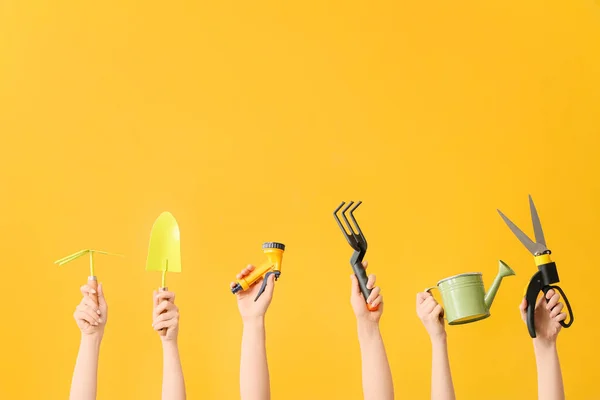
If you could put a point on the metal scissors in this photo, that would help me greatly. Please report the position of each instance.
(547, 274)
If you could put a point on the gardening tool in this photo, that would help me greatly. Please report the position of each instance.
(164, 250)
(547, 274)
(274, 252)
(92, 279)
(464, 296)
(358, 242)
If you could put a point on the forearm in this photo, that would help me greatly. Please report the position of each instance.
(442, 387)
(376, 375)
(550, 383)
(254, 370)
(173, 387)
(85, 375)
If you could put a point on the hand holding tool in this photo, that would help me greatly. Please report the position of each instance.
(164, 250)
(92, 279)
(274, 252)
(358, 242)
(547, 274)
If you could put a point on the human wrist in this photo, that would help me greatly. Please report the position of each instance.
(438, 338)
(169, 344)
(91, 340)
(367, 328)
(254, 321)
(543, 346)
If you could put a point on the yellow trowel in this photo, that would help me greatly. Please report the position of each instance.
(92, 280)
(164, 251)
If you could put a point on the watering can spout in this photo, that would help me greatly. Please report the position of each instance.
(503, 271)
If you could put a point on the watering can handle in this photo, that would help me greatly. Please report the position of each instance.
(564, 296)
(363, 279)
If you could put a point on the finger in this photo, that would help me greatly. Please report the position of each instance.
(101, 298)
(552, 302)
(365, 264)
(86, 290)
(428, 305)
(371, 281)
(437, 311)
(246, 271)
(91, 316)
(165, 296)
(377, 301)
(550, 293)
(354, 288)
(89, 303)
(422, 296)
(270, 286)
(165, 324)
(523, 307)
(556, 310)
(538, 302)
(165, 317)
(162, 307)
(232, 285)
(374, 293)
(91, 310)
(561, 317)
(83, 316)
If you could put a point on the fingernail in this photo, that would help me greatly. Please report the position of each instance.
(100, 320)
(98, 311)
(92, 291)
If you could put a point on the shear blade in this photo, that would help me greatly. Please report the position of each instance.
(537, 225)
(523, 238)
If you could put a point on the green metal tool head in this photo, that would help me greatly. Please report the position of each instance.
(164, 251)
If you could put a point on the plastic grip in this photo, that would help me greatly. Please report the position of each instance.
(362, 277)
(533, 289)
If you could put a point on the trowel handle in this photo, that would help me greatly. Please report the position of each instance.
(93, 284)
(163, 331)
(361, 275)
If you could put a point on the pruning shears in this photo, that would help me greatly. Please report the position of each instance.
(547, 274)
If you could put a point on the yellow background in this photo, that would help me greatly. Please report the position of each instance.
(250, 122)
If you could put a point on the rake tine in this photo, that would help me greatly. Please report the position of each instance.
(348, 237)
(354, 220)
(338, 208)
(346, 219)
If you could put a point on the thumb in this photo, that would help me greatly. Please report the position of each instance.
(270, 285)
(354, 285)
(523, 307)
(101, 299)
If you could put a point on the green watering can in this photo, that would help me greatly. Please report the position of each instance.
(464, 296)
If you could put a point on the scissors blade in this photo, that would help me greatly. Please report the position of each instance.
(528, 243)
(537, 225)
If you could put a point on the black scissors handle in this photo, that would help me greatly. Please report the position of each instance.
(533, 290)
(564, 296)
